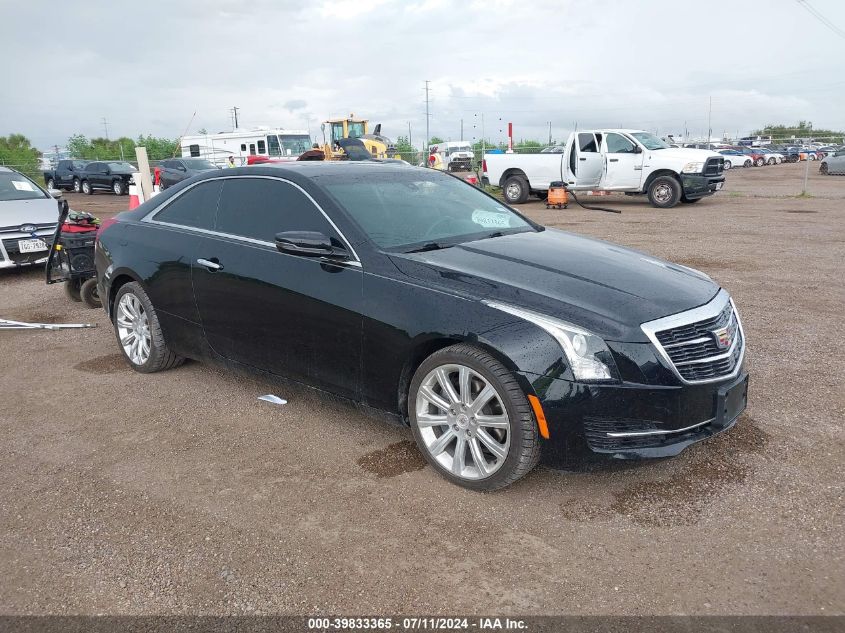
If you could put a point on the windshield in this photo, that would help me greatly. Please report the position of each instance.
(459, 148)
(356, 129)
(650, 141)
(121, 166)
(15, 186)
(198, 163)
(296, 143)
(409, 208)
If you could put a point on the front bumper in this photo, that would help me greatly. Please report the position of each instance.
(697, 185)
(12, 257)
(635, 421)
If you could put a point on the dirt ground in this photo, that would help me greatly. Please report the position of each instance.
(180, 492)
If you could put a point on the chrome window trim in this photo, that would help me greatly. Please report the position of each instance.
(709, 310)
(150, 219)
(660, 431)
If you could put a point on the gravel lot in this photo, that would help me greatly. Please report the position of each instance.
(182, 493)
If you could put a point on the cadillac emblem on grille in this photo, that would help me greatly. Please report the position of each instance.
(725, 335)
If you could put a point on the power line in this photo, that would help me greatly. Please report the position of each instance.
(816, 14)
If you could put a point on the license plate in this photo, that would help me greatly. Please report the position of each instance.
(31, 246)
(719, 185)
(733, 400)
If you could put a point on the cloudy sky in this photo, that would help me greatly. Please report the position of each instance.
(651, 64)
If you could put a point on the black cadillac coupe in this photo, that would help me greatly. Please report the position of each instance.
(497, 340)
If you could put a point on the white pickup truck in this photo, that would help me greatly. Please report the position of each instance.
(630, 161)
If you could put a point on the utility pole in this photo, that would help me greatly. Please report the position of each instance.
(462, 129)
(709, 120)
(106, 127)
(234, 112)
(550, 132)
(427, 134)
(410, 140)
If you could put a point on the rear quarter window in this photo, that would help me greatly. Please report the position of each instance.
(196, 208)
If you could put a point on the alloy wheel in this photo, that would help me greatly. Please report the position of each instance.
(51, 184)
(117, 187)
(463, 421)
(513, 191)
(86, 188)
(76, 187)
(133, 328)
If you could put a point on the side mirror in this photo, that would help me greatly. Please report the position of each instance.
(56, 193)
(308, 244)
(638, 149)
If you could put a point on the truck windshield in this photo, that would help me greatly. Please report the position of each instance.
(407, 209)
(650, 141)
(17, 187)
(296, 143)
(460, 148)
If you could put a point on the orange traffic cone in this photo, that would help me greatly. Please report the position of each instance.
(133, 197)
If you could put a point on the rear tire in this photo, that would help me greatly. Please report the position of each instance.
(664, 192)
(515, 189)
(118, 187)
(51, 184)
(508, 452)
(823, 169)
(759, 162)
(771, 161)
(77, 187)
(87, 188)
(135, 319)
(89, 294)
(73, 289)
(747, 163)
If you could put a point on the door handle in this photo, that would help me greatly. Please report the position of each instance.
(614, 160)
(212, 266)
(582, 159)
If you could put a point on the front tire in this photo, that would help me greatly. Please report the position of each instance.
(823, 169)
(77, 187)
(87, 188)
(118, 187)
(759, 162)
(727, 164)
(771, 161)
(51, 184)
(138, 331)
(471, 419)
(664, 192)
(515, 189)
(747, 163)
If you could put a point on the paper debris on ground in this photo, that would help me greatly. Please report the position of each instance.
(273, 399)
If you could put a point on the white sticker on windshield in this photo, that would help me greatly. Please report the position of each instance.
(22, 185)
(489, 219)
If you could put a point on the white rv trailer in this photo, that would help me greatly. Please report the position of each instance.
(273, 143)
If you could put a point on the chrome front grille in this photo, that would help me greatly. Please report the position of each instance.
(701, 345)
(714, 166)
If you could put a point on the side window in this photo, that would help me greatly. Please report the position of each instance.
(261, 207)
(243, 147)
(252, 149)
(166, 164)
(618, 144)
(587, 142)
(262, 147)
(196, 207)
(195, 150)
(273, 144)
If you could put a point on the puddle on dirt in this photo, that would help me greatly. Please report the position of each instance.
(799, 211)
(107, 364)
(393, 460)
(681, 499)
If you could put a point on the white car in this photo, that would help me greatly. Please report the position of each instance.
(28, 217)
(772, 158)
(734, 158)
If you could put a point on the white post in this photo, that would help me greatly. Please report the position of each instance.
(144, 167)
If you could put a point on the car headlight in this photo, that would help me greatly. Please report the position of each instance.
(588, 355)
(693, 168)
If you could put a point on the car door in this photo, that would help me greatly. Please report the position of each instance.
(836, 163)
(585, 161)
(291, 315)
(624, 163)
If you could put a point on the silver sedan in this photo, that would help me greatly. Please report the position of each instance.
(834, 163)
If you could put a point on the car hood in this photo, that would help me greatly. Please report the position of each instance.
(40, 211)
(685, 153)
(606, 288)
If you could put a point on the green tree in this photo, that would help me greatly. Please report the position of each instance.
(158, 148)
(803, 129)
(434, 140)
(406, 150)
(16, 151)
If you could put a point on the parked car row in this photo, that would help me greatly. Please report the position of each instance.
(84, 176)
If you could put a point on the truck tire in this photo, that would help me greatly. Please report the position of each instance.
(77, 186)
(664, 192)
(515, 190)
(87, 188)
(51, 184)
(118, 187)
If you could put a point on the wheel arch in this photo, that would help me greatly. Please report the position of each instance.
(513, 171)
(120, 279)
(425, 348)
(656, 174)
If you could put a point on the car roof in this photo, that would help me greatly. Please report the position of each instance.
(2, 168)
(309, 169)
